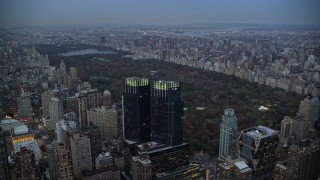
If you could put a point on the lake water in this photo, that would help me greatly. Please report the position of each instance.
(85, 52)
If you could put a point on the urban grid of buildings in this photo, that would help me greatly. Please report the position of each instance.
(83, 135)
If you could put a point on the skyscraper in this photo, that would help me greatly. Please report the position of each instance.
(24, 106)
(258, 146)
(136, 109)
(106, 120)
(94, 99)
(93, 133)
(73, 73)
(303, 160)
(25, 164)
(228, 133)
(45, 98)
(82, 110)
(286, 134)
(64, 171)
(56, 111)
(81, 154)
(166, 113)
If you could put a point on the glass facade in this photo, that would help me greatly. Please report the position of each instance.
(166, 113)
(136, 109)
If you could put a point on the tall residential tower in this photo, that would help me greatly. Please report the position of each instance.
(228, 133)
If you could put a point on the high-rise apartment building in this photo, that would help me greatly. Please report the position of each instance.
(106, 120)
(228, 134)
(55, 111)
(286, 134)
(136, 109)
(166, 113)
(82, 110)
(258, 146)
(303, 160)
(24, 106)
(93, 133)
(45, 98)
(63, 127)
(25, 165)
(64, 171)
(94, 99)
(71, 105)
(106, 98)
(81, 154)
(73, 73)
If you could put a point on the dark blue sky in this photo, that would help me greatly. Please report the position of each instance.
(37, 12)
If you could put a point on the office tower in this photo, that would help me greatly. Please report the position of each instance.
(136, 109)
(106, 98)
(64, 171)
(71, 105)
(22, 136)
(45, 98)
(233, 169)
(106, 120)
(94, 99)
(303, 160)
(24, 106)
(93, 133)
(228, 134)
(286, 134)
(25, 165)
(82, 110)
(110, 172)
(258, 146)
(4, 165)
(56, 111)
(165, 158)
(166, 113)
(63, 127)
(73, 73)
(103, 160)
(141, 167)
(81, 154)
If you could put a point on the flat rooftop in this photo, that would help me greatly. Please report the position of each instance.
(260, 132)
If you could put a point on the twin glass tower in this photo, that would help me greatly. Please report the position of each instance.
(152, 113)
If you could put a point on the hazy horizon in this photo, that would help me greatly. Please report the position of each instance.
(164, 12)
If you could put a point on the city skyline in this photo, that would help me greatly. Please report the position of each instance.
(35, 12)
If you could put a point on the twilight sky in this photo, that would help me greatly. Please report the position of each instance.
(154, 12)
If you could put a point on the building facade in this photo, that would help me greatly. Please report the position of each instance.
(55, 111)
(166, 113)
(136, 109)
(106, 120)
(303, 160)
(64, 170)
(258, 146)
(228, 134)
(81, 154)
